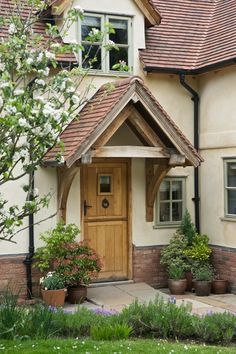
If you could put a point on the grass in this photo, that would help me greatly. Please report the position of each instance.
(85, 346)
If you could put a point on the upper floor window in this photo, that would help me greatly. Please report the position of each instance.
(230, 187)
(105, 60)
(170, 201)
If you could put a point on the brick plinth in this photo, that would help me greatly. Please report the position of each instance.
(13, 276)
(147, 267)
(224, 261)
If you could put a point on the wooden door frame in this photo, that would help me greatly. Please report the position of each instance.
(127, 161)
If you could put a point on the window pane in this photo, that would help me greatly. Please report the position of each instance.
(177, 210)
(121, 31)
(177, 190)
(92, 57)
(164, 212)
(104, 184)
(231, 202)
(231, 178)
(88, 23)
(164, 190)
(117, 55)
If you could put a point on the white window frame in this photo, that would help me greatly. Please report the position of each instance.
(104, 54)
(226, 187)
(167, 224)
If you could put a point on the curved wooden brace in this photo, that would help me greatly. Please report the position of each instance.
(65, 179)
(154, 178)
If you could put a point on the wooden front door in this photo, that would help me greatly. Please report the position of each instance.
(106, 216)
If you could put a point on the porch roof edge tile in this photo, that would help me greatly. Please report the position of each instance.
(97, 109)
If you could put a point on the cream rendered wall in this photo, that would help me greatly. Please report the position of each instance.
(220, 230)
(46, 182)
(217, 141)
(144, 233)
(13, 192)
(73, 212)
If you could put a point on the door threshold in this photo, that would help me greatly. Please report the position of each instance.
(107, 283)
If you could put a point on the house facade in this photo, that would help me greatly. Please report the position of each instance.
(130, 167)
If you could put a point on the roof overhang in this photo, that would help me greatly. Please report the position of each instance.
(148, 9)
(151, 14)
(138, 108)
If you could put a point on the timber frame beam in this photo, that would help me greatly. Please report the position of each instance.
(154, 177)
(156, 170)
(65, 179)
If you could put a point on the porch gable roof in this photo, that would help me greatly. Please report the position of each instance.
(103, 108)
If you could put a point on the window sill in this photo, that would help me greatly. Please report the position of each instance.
(228, 218)
(166, 226)
(109, 74)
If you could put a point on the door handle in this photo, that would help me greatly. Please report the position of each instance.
(86, 207)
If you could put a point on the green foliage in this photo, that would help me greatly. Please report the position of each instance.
(24, 323)
(217, 328)
(53, 241)
(173, 256)
(10, 315)
(200, 250)
(177, 269)
(160, 319)
(203, 272)
(187, 228)
(111, 332)
(52, 281)
(76, 263)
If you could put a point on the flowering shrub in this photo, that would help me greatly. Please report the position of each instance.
(79, 265)
(75, 262)
(36, 101)
(52, 281)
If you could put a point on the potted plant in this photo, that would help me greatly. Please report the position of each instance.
(173, 257)
(203, 274)
(75, 262)
(219, 286)
(187, 228)
(53, 289)
(79, 266)
(177, 281)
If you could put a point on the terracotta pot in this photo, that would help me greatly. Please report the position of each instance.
(77, 294)
(202, 288)
(177, 287)
(219, 286)
(54, 297)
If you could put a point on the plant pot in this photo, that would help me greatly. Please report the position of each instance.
(77, 294)
(219, 286)
(177, 287)
(54, 297)
(202, 288)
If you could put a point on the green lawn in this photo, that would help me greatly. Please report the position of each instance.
(87, 346)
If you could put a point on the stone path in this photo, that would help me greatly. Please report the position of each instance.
(118, 296)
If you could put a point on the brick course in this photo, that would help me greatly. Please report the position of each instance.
(147, 267)
(13, 276)
(224, 261)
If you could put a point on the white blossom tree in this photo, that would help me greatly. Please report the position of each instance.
(38, 99)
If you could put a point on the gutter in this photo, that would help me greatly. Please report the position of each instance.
(198, 71)
(196, 100)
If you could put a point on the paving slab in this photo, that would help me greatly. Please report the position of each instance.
(110, 297)
(118, 296)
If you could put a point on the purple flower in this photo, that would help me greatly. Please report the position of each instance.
(104, 312)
